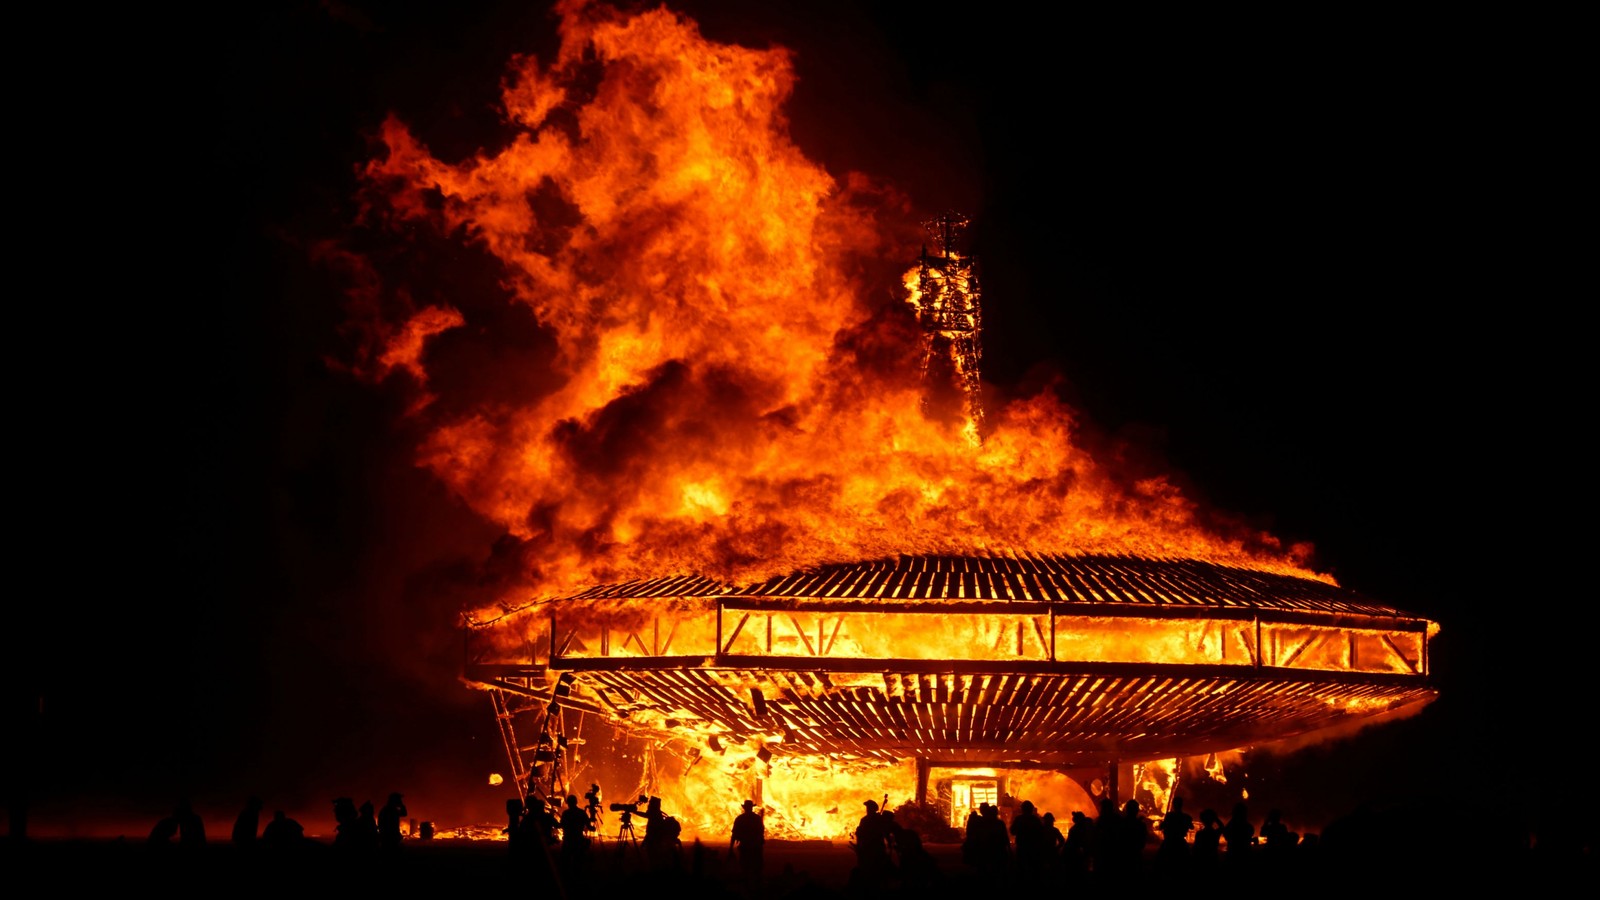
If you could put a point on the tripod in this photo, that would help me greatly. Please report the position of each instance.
(625, 830)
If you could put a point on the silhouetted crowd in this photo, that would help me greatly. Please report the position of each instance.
(1120, 850)
(562, 847)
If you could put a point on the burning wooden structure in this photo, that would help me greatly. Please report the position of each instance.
(971, 665)
(717, 396)
(1007, 662)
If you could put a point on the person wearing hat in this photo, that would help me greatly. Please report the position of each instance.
(872, 846)
(748, 838)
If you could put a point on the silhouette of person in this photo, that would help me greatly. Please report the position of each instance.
(971, 841)
(1276, 836)
(1135, 834)
(1206, 852)
(1032, 840)
(872, 846)
(1108, 855)
(352, 833)
(697, 860)
(1239, 835)
(1055, 840)
(249, 820)
(974, 814)
(748, 839)
(994, 843)
(574, 837)
(389, 821)
(1277, 840)
(1077, 855)
(516, 830)
(344, 821)
(191, 829)
(282, 832)
(368, 824)
(1173, 853)
(662, 845)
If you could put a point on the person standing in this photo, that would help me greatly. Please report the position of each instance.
(1032, 842)
(748, 839)
(872, 847)
(1078, 853)
(663, 846)
(994, 843)
(1240, 837)
(367, 826)
(1172, 856)
(1207, 842)
(516, 831)
(1136, 834)
(191, 828)
(1277, 840)
(1055, 842)
(970, 841)
(246, 825)
(389, 822)
(1108, 841)
(574, 838)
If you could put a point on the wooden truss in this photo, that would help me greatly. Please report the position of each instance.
(1020, 661)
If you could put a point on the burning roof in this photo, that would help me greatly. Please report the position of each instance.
(978, 661)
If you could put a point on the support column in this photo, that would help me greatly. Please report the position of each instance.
(1111, 782)
(922, 781)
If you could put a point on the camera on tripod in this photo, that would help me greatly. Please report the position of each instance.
(629, 808)
(628, 811)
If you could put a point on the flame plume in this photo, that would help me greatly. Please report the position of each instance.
(732, 387)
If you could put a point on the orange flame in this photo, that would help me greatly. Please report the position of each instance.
(732, 389)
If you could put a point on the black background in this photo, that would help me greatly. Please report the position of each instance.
(1322, 267)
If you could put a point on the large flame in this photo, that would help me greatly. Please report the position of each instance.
(732, 387)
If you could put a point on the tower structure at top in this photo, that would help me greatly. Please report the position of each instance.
(943, 289)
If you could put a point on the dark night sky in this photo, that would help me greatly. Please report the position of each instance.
(1321, 269)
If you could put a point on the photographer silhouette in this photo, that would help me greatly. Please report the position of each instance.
(662, 846)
